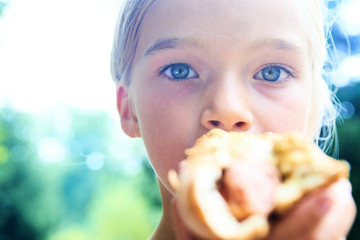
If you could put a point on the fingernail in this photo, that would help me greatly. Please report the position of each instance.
(323, 204)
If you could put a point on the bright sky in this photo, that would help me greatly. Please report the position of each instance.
(58, 52)
(350, 16)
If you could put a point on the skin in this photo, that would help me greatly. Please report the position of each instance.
(225, 47)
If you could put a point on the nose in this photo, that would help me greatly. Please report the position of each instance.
(228, 107)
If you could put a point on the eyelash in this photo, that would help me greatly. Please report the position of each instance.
(284, 68)
(192, 72)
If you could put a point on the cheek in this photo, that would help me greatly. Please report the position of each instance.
(167, 127)
(286, 109)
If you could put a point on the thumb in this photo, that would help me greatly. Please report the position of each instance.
(303, 218)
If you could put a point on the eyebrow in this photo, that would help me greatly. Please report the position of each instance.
(277, 44)
(171, 43)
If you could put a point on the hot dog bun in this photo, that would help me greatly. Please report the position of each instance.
(301, 167)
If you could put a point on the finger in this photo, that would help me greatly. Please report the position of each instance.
(338, 221)
(307, 221)
(303, 218)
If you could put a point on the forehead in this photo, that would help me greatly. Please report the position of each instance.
(232, 21)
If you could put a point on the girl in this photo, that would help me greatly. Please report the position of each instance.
(185, 67)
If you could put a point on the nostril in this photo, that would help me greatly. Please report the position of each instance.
(239, 124)
(215, 123)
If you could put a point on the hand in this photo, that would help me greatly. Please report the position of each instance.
(327, 214)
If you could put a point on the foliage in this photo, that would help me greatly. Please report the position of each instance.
(62, 176)
(350, 150)
(19, 185)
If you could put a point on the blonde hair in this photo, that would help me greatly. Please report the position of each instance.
(131, 16)
(325, 105)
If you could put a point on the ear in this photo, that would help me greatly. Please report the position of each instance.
(128, 119)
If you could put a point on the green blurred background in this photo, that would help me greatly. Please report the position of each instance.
(68, 172)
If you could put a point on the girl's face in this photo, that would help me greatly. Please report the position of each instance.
(239, 65)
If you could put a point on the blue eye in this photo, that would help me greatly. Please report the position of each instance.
(273, 73)
(179, 71)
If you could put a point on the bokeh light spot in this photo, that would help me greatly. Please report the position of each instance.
(50, 150)
(347, 110)
(95, 161)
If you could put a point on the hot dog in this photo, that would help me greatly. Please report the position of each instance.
(217, 179)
